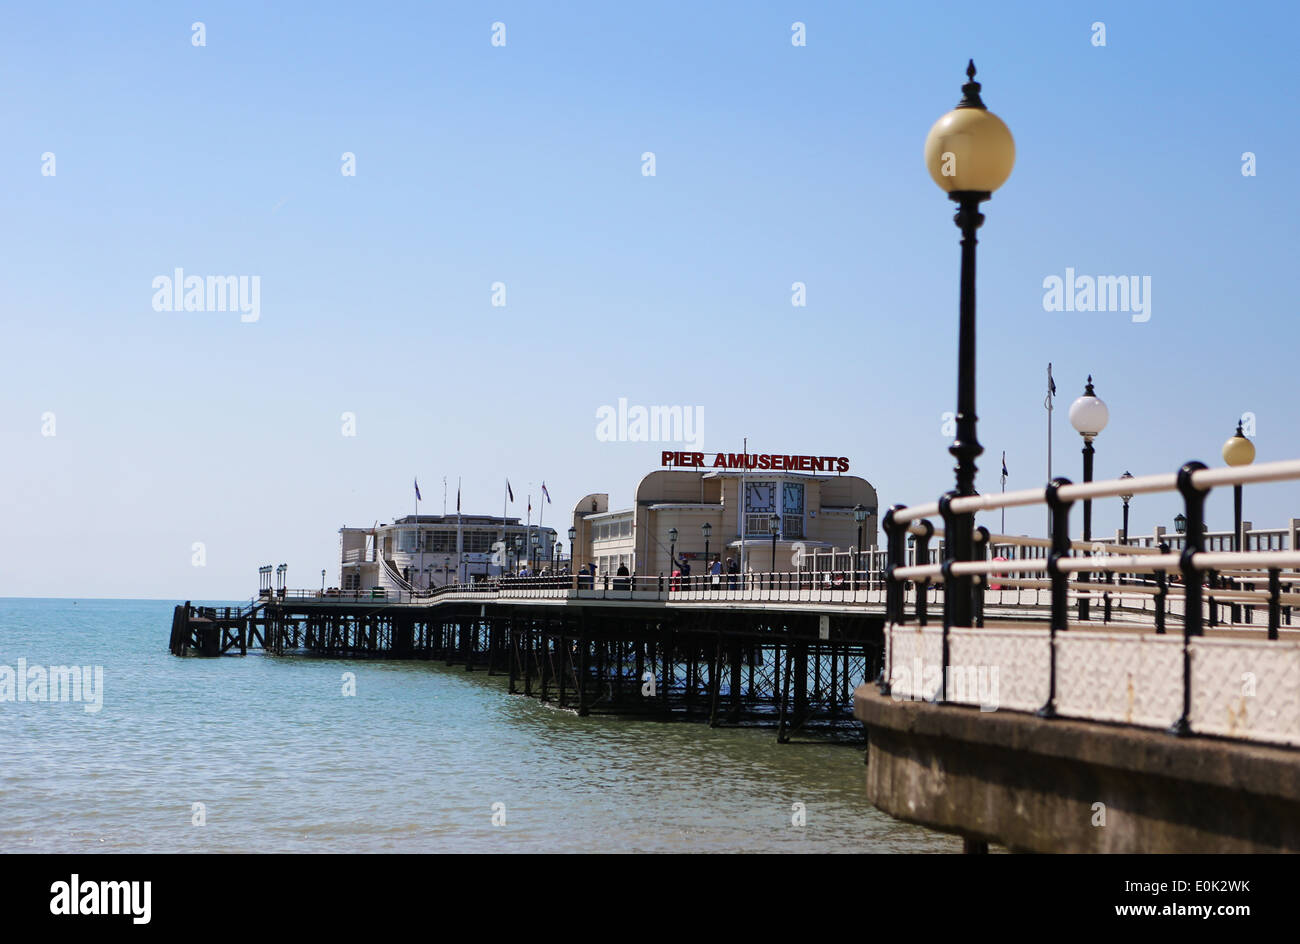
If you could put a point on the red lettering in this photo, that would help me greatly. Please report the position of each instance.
(764, 462)
(697, 459)
(666, 458)
(844, 464)
(720, 461)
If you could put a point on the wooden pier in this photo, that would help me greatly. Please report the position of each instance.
(791, 668)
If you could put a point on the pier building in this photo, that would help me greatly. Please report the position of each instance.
(710, 506)
(417, 553)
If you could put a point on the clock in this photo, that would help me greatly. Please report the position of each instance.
(792, 497)
(760, 496)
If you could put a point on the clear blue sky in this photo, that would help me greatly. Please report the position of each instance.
(522, 164)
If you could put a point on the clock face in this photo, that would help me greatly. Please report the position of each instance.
(792, 497)
(760, 496)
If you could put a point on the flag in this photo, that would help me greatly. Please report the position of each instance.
(546, 493)
(509, 490)
(417, 490)
(457, 498)
(1004, 464)
(1051, 384)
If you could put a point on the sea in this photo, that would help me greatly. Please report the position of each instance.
(273, 754)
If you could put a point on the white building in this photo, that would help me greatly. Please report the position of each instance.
(418, 553)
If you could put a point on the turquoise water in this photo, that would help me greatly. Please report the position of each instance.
(415, 762)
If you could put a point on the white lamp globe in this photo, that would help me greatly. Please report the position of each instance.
(1089, 414)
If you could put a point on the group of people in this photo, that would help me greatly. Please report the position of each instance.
(714, 569)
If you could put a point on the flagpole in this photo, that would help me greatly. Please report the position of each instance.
(418, 542)
(1004, 491)
(460, 538)
(1051, 389)
(505, 504)
(744, 466)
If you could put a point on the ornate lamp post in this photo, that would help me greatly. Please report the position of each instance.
(1088, 415)
(672, 550)
(573, 550)
(774, 526)
(322, 581)
(1126, 498)
(536, 551)
(969, 153)
(706, 529)
(1238, 451)
(859, 515)
(1180, 523)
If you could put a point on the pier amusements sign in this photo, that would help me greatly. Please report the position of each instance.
(746, 461)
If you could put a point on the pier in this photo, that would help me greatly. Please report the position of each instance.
(766, 653)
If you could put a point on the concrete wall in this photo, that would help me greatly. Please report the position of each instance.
(1040, 785)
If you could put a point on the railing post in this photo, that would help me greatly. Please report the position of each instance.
(896, 548)
(1274, 607)
(1194, 509)
(1162, 595)
(956, 599)
(1060, 552)
(922, 541)
(982, 547)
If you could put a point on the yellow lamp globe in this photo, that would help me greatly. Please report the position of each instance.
(970, 149)
(1239, 450)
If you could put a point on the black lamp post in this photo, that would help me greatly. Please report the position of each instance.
(774, 525)
(708, 530)
(969, 153)
(672, 550)
(322, 581)
(573, 550)
(536, 551)
(859, 515)
(1180, 523)
(1238, 451)
(1088, 415)
(1126, 498)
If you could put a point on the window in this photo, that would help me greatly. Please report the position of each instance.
(406, 541)
(352, 581)
(625, 528)
(756, 525)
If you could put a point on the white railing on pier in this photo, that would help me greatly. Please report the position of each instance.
(1236, 677)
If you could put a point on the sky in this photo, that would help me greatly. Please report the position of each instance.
(133, 434)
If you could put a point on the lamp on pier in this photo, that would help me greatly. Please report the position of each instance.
(1238, 451)
(969, 153)
(573, 550)
(706, 529)
(1180, 523)
(1088, 415)
(774, 526)
(672, 549)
